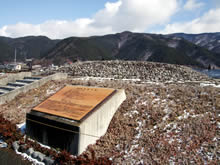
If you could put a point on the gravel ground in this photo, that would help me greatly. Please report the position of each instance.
(159, 123)
(164, 124)
(144, 71)
(8, 157)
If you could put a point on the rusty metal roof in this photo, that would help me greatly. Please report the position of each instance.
(74, 102)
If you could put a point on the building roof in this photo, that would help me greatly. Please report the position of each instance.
(74, 102)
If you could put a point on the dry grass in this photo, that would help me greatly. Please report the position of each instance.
(157, 124)
(162, 124)
(16, 110)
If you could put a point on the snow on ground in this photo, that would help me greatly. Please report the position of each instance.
(167, 122)
(3, 144)
(209, 84)
(29, 158)
(103, 79)
(158, 123)
(22, 127)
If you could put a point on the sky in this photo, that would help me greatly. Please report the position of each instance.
(58, 19)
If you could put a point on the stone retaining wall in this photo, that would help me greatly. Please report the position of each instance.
(12, 77)
(12, 94)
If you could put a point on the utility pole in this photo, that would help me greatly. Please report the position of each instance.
(15, 55)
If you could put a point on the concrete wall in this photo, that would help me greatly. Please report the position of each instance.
(40, 127)
(12, 94)
(97, 123)
(12, 77)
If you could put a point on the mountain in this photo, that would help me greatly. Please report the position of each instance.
(133, 46)
(74, 48)
(211, 41)
(27, 47)
(180, 48)
(6, 51)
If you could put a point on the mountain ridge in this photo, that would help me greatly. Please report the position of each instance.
(133, 46)
(211, 41)
(178, 48)
(27, 47)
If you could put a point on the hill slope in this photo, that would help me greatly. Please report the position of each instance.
(27, 47)
(133, 46)
(125, 46)
(211, 41)
(6, 51)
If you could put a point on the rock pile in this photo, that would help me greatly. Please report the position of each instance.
(144, 71)
(34, 154)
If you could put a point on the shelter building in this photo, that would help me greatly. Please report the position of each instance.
(74, 117)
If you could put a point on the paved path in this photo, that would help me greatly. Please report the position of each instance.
(8, 157)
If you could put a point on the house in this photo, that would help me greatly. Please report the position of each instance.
(14, 67)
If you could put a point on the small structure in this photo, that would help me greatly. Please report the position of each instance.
(74, 117)
(14, 67)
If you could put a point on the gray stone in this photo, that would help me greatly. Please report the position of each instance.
(41, 157)
(48, 161)
(30, 151)
(34, 154)
(15, 145)
(3, 144)
(22, 148)
(37, 155)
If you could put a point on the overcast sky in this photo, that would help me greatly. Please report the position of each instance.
(59, 19)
